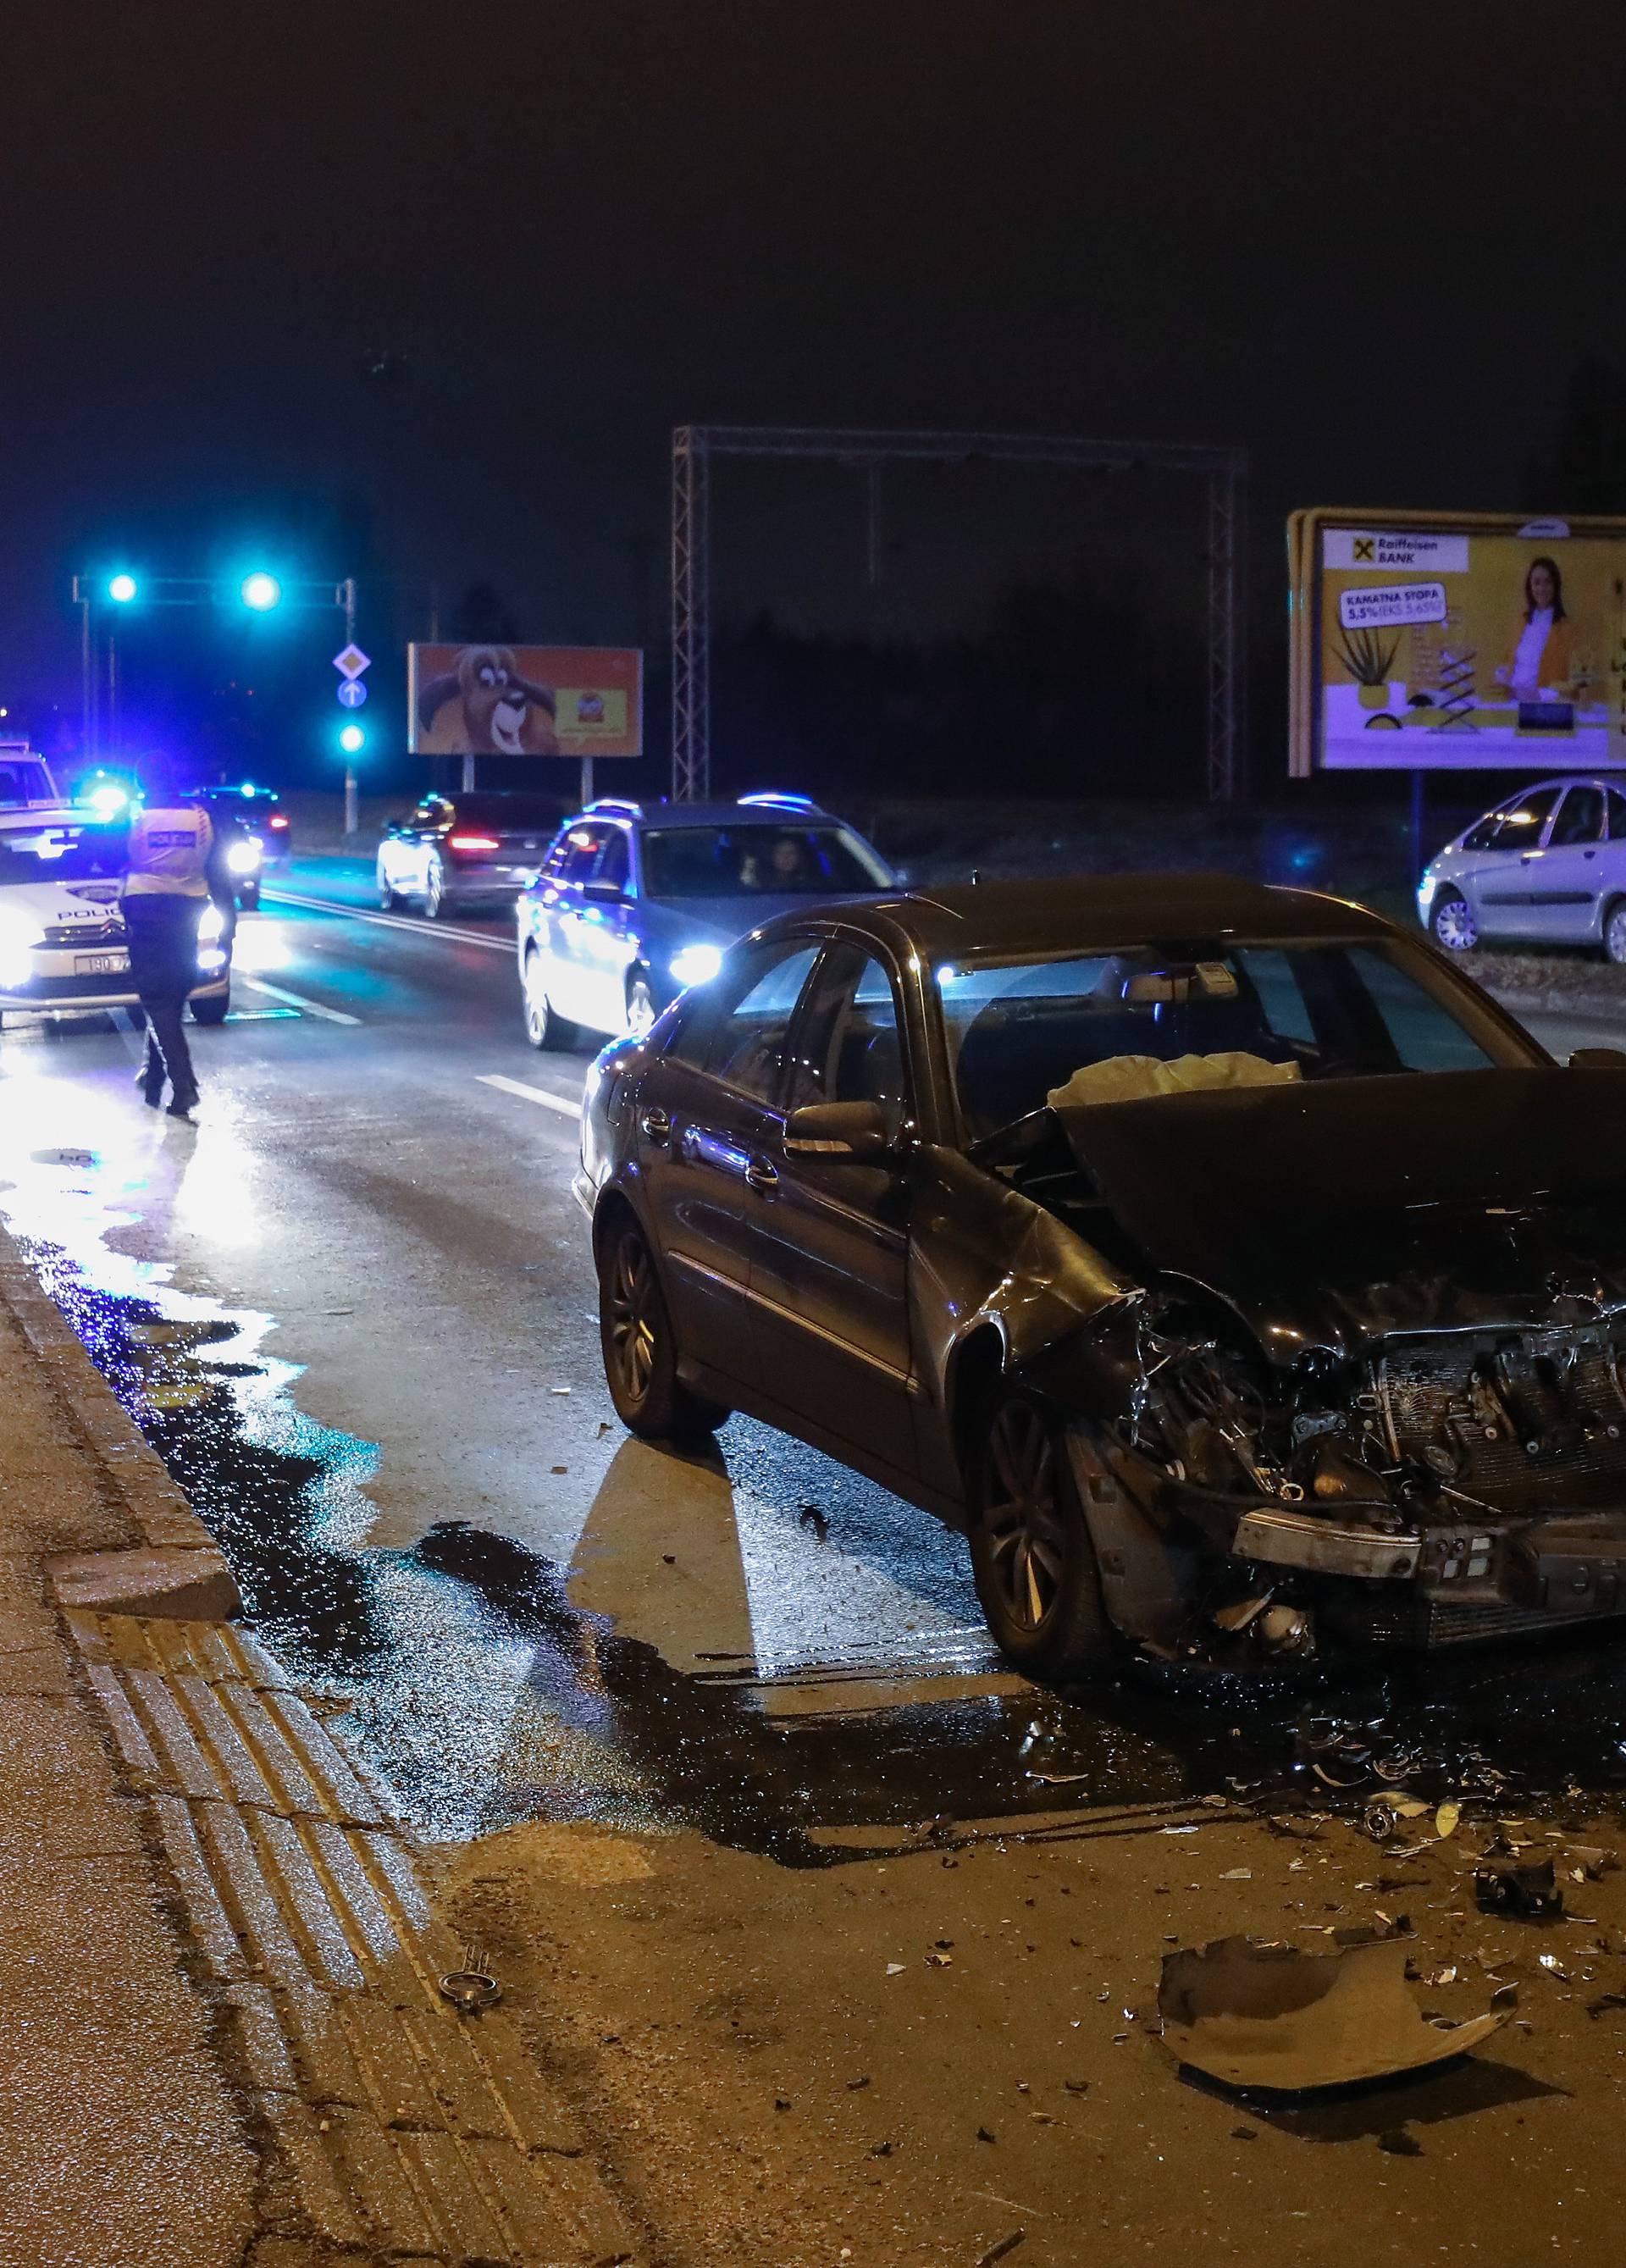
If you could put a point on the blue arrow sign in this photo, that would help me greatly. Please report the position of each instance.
(351, 694)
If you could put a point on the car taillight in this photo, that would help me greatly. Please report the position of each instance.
(474, 842)
(278, 819)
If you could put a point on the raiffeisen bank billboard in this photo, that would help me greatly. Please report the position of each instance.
(1456, 642)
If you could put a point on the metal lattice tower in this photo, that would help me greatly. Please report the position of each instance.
(1224, 471)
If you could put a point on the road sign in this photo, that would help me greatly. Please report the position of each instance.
(352, 661)
(352, 693)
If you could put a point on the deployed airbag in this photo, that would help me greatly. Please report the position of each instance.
(1136, 1078)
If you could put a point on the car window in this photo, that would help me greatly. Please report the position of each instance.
(581, 848)
(1150, 1020)
(1515, 826)
(849, 1048)
(1580, 819)
(750, 1024)
(61, 854)
(1617, 816)
(613, 863)
(756, 858)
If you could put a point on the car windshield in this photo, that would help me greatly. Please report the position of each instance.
(24, 781)
(1515, 826)
(60, 854)
(759, 859)
(1121, 1027)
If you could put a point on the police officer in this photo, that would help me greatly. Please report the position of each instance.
(171, 872)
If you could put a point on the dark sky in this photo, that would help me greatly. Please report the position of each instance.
(1371, 242)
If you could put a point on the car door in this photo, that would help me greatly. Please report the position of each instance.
(707, 1113)
(1498, 854)
(829, 1235)
(606, 930)
(1566, 873)
(573, 927)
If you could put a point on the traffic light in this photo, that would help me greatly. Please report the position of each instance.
(260, 592)
(122, 589)
(352, 739)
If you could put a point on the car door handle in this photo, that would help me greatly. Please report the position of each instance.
(1525, 856)
(1589, 854)
(656, 1123)
(762, 1177)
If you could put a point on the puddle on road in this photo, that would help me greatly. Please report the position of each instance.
(486, 1695)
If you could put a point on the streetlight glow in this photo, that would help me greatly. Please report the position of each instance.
(260, 591)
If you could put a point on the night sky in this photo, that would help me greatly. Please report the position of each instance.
(1371, 243)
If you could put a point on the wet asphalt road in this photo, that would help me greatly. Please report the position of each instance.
(354, 1309)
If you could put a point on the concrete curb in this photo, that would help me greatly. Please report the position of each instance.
(176, 1567)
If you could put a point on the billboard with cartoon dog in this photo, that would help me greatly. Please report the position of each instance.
(1457, 642)
(525, 700)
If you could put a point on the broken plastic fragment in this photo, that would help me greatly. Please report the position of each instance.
(1529, 1891)
(1271, 2016)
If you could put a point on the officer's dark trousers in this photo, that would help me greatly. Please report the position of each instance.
(163, 948)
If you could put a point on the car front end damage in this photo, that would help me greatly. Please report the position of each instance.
(1372, 1387)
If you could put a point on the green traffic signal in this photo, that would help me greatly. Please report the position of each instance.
(122, 589)
(352, 740)
(260, 591)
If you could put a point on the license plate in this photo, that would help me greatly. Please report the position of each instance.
(100, 964)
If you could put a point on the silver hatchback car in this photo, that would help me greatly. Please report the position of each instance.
(1547, 866)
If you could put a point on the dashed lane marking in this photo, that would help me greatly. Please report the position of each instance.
(530, 1094)
(296, 1000)
(446, 930)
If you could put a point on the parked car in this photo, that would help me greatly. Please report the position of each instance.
(1547, 865)
(466, 849)
(1237, 1273)
(634, 902)
(62, 946)
(26, 779)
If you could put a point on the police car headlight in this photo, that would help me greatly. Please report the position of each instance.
(244, 857)
(19, 933)
(212, 928)
(697, 964)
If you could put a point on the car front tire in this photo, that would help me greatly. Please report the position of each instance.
(639, 1345)
(1614, 932)
(435, 903)
(212, 1010)
(1031, 1553)
(1452, 922)
(248, 898)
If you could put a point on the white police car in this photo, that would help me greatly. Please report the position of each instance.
(62, 946)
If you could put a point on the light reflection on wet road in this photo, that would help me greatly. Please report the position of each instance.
(753, 1642)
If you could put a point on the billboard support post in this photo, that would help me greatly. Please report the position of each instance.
(692, 447)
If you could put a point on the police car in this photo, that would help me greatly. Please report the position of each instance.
(62, 947)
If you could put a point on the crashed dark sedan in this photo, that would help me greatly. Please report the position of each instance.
(1232, 1270)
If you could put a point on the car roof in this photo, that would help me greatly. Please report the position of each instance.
(1094, 912)
(1616, 780)
(717, 812)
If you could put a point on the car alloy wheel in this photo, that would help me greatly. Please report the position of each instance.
(1026, 1545)
(1032, 1555)
(435, 890)
(639, 1346)
(1453, 923)
(544, 1026)
(1614, 932)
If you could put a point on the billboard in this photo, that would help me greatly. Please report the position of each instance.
(1456, 642)
(524, 701)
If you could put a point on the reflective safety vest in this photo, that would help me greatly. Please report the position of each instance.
(169, 854)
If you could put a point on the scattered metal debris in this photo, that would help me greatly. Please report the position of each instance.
(1529, 1892)
(1271, 2016)
(471, 1988)
(997, 2252)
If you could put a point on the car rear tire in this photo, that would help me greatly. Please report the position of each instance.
(212, 1011)
(1450, 921)
(1031, 1552)
(388, 899)
(1614, 932)
(544, 1026)
(435, 905)
(640, 1347)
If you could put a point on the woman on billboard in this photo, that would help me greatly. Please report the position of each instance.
(1539, 666)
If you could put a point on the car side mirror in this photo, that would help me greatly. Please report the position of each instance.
(839, 1129)
(392, 827)
(1598, 1059)
(606, 893)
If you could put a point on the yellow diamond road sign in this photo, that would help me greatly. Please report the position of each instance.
(352, 661)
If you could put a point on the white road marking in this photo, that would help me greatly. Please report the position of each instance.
(530, 1094)
(443, 930)
(296, 1000)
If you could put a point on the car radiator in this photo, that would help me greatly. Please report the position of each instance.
(1521, 1423)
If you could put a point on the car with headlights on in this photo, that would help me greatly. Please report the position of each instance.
(63, 945)
(1547, 866)
(636, 901)
(475, 848)
(1240, 1276)
(257, 830)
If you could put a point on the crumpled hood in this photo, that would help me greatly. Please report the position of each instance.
(1334, 1212)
